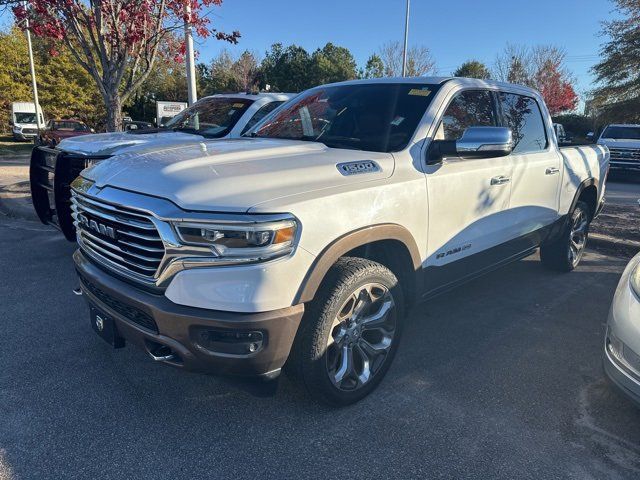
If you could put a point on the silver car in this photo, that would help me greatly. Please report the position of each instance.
(622, 342)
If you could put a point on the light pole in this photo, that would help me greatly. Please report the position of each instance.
(190, 60)
(406, 41)
(33, 74)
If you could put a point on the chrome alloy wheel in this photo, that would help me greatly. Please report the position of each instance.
(361, 337)
(578, 237)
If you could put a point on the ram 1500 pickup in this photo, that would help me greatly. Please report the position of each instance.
(623, 142)
(304, 246)
(214, 117)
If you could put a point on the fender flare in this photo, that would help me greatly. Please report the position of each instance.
(583, 185)
(346, 243)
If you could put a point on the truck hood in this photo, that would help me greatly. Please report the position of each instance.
(106, 144)
(612, 142)
(234, 175)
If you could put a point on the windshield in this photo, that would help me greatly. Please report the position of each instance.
(22, 117)
(210, 117)
(378, 117)
(68, 125)
(622, 133)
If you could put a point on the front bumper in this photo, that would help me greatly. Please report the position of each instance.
(629, 166)
(23, 137)
(621, 358)
(629, 385)
(154, 323)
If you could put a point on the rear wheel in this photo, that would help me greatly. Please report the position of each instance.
(350, 332)
(565, 253)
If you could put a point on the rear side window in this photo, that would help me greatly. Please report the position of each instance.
(523, 116)
(260, 114)
(472, 108)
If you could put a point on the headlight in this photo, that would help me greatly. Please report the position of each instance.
(17, 129)
(634, 279)
(251, 242)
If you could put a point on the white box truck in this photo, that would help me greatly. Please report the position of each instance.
(24, 124)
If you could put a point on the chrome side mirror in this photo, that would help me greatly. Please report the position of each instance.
(485, 142)
(476, 142)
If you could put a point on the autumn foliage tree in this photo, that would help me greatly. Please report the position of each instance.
(543, 68)
(557, 91)
(118, 42)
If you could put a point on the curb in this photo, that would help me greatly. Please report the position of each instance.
(605, 242)
(15, 201)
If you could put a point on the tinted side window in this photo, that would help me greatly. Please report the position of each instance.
(522, 115)
(472, 108)
(260, 114)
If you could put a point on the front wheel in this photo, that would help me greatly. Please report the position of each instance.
(565, 253)
(350, 332)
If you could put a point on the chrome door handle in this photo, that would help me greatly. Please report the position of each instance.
(500, 180)
(551, 171)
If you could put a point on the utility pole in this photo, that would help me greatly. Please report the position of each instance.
(33, 75)
(190, 60)
(406, 42)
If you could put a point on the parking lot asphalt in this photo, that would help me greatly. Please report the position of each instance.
(500, 378)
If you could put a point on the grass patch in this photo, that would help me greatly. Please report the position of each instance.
(9, 147)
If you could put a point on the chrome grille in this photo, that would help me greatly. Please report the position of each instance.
(118, 237)
(624, 154)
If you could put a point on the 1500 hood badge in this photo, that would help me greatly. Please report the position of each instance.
(354, 168)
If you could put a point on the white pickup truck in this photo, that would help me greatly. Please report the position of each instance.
(623, 142)
(305, 245)
(213, 117)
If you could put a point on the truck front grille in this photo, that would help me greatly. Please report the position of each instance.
(625, 155)
(118, 237)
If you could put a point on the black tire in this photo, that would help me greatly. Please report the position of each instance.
(559, 254)
(312, 358)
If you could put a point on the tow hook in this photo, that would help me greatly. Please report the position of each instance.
(77, 291)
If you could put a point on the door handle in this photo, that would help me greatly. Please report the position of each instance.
(551, 171)
(500, 180)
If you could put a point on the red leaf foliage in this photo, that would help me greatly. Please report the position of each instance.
(134, 23)
(556, 89)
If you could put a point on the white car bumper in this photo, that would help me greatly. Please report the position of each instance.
(622, 342)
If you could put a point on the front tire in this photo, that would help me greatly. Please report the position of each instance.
(565, 253)
(350, 332)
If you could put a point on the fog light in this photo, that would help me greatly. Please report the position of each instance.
(615, 347)
(231, 342)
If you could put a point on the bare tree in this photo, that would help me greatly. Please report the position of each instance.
(419, 60)
(541, 67)
(514, 64)
(246, 69)
(522, 65)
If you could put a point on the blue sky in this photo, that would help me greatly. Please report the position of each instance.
(454, 30)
